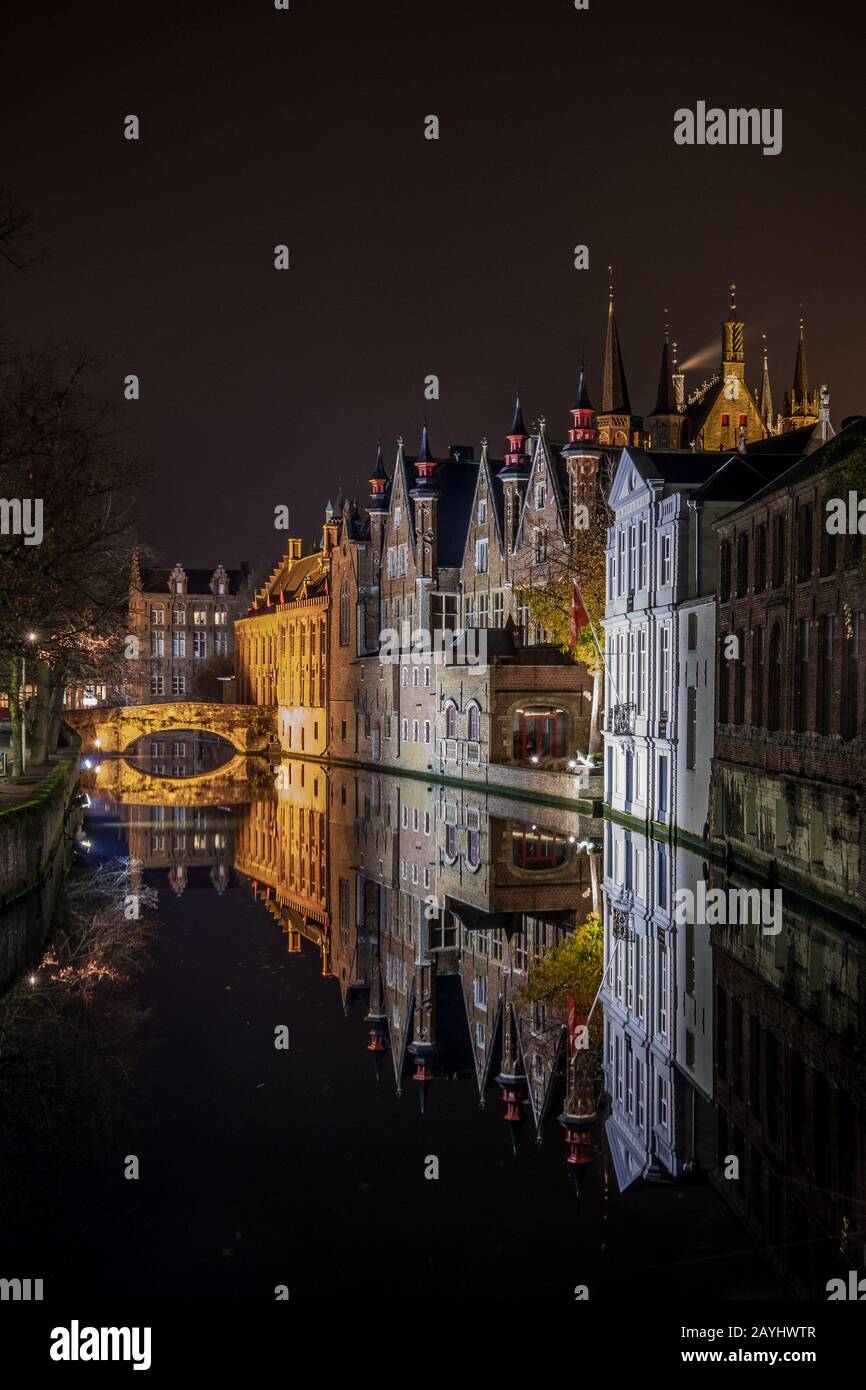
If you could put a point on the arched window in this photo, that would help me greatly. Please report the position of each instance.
(451, 842)
(473, 848)
(774, 709)
(474, 723)
(451, 720)
(344, 613)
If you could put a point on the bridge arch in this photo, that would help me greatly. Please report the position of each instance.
(248, 728)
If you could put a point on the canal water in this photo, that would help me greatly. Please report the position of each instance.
(224, 1100)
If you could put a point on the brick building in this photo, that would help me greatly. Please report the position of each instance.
(790, 755)
(182, 619)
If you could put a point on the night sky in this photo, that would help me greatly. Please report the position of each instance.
(410, 256)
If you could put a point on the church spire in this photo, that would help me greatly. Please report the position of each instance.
(666, 399)
(614, 391)
(378, 481)
(765, 404)
(801, 373)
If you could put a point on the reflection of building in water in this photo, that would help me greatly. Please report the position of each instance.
(789, 1010)
(657, 999)
(430, 912)
(282, 849)
(440, 911)
(180, 839)
(181, 754)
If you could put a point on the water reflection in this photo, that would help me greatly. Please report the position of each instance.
(731, 1048)
(435, 911)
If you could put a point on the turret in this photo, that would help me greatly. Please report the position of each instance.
(616, 424)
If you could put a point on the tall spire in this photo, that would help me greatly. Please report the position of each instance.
(378, 481)
(518, 429)
(666, 398)
(582, 401)
(515, 459)
(733, 340)
(801, 373)
(614, 391)
(765, 405)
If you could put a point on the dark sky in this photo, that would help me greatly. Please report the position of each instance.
(409, 256)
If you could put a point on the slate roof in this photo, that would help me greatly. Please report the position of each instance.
(158, 580)
(834, 452)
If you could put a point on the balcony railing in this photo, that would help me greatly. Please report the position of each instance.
(623, 719)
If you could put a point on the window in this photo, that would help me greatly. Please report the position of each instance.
(539, 733)
(632, 557)
(804, 650)
(426, 677)
(473, 849)
(482, 610)
(426, 730)
(199, 617)
(740, 680)
(451, 842)
(539, 544)
(157, 686)
(481, 555)
(664, 670)
(760, 559)
(178, 616)
(469, 610)
(405, 730)
(157, 644)
(644, 533)
(474, 723)
(538, 849)
(826, 633)
(451, 720)
(641, 670)
(221, 643)
(725, 571)
(178, 683)
(828, 547)
(663, 786)
(220, 617)
(178, 644)
(479, 991)
(482, 510)
(662, 1102)
(666, 560)
(774, 710)
(742, 565)
(804, 542)
(415, 730)
(344, 613)
(693, 632)
(661, 877)
(758, 678)
(157, 616)
(199, 644)
(498, 608)
(540, 495)
(662, 985)
(415, 676)
(620, 563)
(779, 551)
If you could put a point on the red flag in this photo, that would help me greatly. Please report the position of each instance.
(579, 615)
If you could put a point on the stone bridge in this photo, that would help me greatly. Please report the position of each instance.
(248, 728)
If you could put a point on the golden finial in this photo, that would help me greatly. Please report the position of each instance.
(764, 336)
(667, 327)
(733, 300)
(610, 283)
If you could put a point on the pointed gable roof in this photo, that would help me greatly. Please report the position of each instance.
(666, 397)
(614, 391)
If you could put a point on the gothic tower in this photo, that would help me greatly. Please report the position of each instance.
(801, 406)
(514, 476)
(425, 494)
(616, 424)
(583, 456)
(665, 425)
